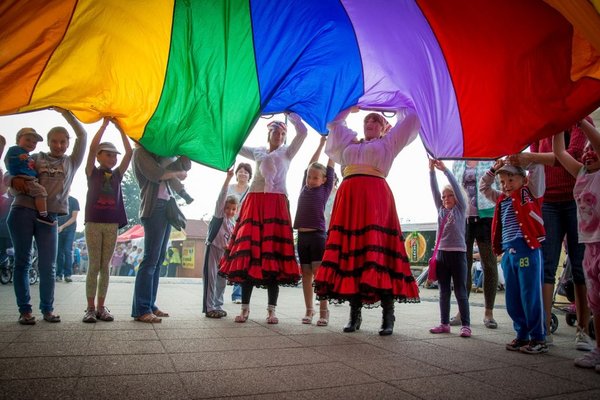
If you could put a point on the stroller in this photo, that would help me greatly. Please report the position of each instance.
(566, 289)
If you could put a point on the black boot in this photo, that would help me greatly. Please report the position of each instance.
(388, 318)
(355, 316)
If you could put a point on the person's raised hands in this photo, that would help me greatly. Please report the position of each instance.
(439, 164)
(519, 159)
(431, 164)
(499, 163)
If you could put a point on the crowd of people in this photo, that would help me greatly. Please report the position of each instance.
(521, 208)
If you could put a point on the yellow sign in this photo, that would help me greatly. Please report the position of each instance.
(415, 245)
(188, 255)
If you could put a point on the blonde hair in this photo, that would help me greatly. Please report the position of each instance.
(319, 167)
(449, 188)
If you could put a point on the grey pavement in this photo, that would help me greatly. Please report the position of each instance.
(189, 356)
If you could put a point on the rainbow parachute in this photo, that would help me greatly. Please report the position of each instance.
(192, 77)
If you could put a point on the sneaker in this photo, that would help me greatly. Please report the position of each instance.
(590, 360)
(103, 314)
(90, 315)
(549, 339)
(516, 344)
(59, 278)
(465, 331)
(237, 301)
(442, 328)
(455, 321)
(44, 219)
(535, 347)
(582, 341)
(68, 279)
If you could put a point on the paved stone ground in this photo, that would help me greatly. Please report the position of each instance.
(189, 356)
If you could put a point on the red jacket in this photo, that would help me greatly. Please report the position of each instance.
(529, 214)
(527, 204)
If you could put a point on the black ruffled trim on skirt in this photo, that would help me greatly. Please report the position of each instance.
(358, 272)
(362, 251)
(366, 292)
(269, 279)
(364, 230)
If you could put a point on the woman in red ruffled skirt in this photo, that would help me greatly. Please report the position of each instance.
(261, 249)
(365, 260)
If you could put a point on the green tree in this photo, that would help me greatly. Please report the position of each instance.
(131, 199)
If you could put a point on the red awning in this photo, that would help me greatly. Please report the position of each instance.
(137, 231)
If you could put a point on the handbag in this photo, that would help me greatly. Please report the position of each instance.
(174, 215)
(432, 271)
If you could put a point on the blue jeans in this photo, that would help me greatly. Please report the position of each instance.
(24, 227)
(237, 292)
(156, 238)
(522, 268)
(64, 259)
(560, 219)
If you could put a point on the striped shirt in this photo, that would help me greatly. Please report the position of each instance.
(311, 204)
(510, 224)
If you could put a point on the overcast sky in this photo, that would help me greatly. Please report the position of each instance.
(409, 178)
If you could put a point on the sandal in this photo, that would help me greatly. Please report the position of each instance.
(49, 317)
(307, 319)
(26, 319)
(271, 318)
(103, 314)
(90, 315)
(148, 318)
(160, 313)
(323, 321)
(490, 323)
(243, 317)
(214, 314)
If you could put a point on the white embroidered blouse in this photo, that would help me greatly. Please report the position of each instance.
(343, 147)
(272, 167)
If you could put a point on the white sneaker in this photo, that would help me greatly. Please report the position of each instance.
(590, 360)
(549, 339)
(582, 341)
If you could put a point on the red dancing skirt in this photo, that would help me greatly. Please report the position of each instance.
(261, 248)
(365, 254)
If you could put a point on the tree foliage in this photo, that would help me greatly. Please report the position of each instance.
(131, 199)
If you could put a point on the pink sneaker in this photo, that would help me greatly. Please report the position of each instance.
(465, 331)
(442, 328)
